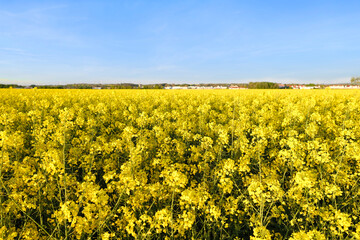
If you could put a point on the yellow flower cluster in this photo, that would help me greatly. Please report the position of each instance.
(155, 164)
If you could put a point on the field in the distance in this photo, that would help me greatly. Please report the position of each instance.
(156, 164)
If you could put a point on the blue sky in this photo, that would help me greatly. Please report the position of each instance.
(61, 42)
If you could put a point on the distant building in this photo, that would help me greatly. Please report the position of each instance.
(306, 87)
(205, 87)
(175, 87)
(301, 86)
(344, 86)
(236, 87)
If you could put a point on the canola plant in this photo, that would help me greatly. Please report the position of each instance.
(179, 164)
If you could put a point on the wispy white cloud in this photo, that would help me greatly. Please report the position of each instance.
(33, 14)
(7, 54)
(16, 50)
(37, 23)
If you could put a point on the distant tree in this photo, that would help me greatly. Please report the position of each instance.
(355, 80)
(10, 85)
(263, 85)
(159, 86)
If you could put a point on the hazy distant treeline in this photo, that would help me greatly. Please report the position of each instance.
(10, 86)
(88, 86)
(251, 85)
(263, 85)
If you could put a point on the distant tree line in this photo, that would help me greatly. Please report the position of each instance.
(263, 85)
(154, 86)
(251, 85)
(89, 86)
(10, 86)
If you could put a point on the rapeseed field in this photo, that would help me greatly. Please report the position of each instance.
(179, 164)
